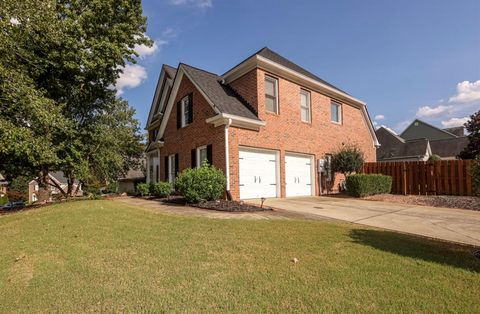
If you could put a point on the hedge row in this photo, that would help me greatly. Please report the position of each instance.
(360, 185)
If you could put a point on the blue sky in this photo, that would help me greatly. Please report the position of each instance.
(405, 59)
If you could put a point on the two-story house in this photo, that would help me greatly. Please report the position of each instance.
(269, 124)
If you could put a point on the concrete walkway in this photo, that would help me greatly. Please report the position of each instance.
(449, 224)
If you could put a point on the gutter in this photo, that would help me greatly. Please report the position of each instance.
(227, 159)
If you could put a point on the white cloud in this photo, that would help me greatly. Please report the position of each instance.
(454, 122)
(144, 51)
(379, 117)
(14, 21)
(132, 76)
(434, 112)
(375, 123)
(467, 92)
(194, 3)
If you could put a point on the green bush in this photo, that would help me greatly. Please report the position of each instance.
(161, 189)
(475, 172)
(143, 189)
(206, 183)
(360, 185)
(112, 187)
(434, 157)
(347, 160)
(4, 200)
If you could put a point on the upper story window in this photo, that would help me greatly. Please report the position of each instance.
(336, 112)
(185, 111)
(271, 94)
(305, 106)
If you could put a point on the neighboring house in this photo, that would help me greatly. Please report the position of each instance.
(267, 123)
(419, 141)
(3, 186)
(60, 179)
(132, 178)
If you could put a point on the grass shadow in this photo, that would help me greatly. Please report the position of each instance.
(457, 255)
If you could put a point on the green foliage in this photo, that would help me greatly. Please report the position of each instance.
(161, 189)
(199, 184)
(473, 128)
(475, 172)
(434, 157)
(112, 187)
(58, 109)
(143, 189)
(347, 160)
(4, 200)
(360, 185)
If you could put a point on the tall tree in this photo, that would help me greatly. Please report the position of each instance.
(59, 61)
(473, 128)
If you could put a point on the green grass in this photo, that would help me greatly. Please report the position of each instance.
(107, 256)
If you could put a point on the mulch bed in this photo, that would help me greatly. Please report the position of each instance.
(220, 205)
(230, 206)
(449, 201)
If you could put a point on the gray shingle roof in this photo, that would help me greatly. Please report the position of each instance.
(171, 71)
(449, 147)
(222, 96)
(275, 57)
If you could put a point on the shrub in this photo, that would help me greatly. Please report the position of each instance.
(360, 185)
(434, 157)
(206, 183)
(112, 187)
(475, 172)
(4, 200)
(143, 189)
(15, 196)
(161, 189)
(347, 160)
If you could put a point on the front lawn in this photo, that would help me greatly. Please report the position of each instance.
(108, 256)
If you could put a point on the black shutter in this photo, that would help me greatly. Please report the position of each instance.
(194, 158)
(179, 115)
(209, 154)
(190, 108)
(166, 168)
(176, 165)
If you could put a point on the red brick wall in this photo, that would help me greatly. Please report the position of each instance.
(287, 133)
(196, 134)
(246, 86)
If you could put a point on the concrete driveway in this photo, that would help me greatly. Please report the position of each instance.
(442, 223)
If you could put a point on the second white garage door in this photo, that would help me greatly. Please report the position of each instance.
(258, 173)
(298, 175)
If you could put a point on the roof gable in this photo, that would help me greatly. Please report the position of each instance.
(420, 129)
(222, 96)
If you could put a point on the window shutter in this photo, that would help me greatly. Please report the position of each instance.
(190, 105)
(194, 158)
(176, 164)
(179, 115)
(166, 168)
(209, 154)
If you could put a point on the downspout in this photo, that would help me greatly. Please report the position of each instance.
(227, 159)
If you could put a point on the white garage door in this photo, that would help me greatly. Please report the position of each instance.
(258, 173)
(298, 175)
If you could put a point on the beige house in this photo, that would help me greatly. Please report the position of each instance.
(57, 178)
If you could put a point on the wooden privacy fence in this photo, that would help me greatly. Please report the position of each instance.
(444, 177)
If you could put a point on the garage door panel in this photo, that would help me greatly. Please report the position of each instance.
(298, 175)
(258, 174)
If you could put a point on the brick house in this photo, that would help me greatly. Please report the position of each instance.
(269, 124)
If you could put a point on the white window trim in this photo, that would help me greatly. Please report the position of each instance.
(199, 163)
(340, 112)
(275, 83)
(309, 105)
(171, 163)
(182, 107)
